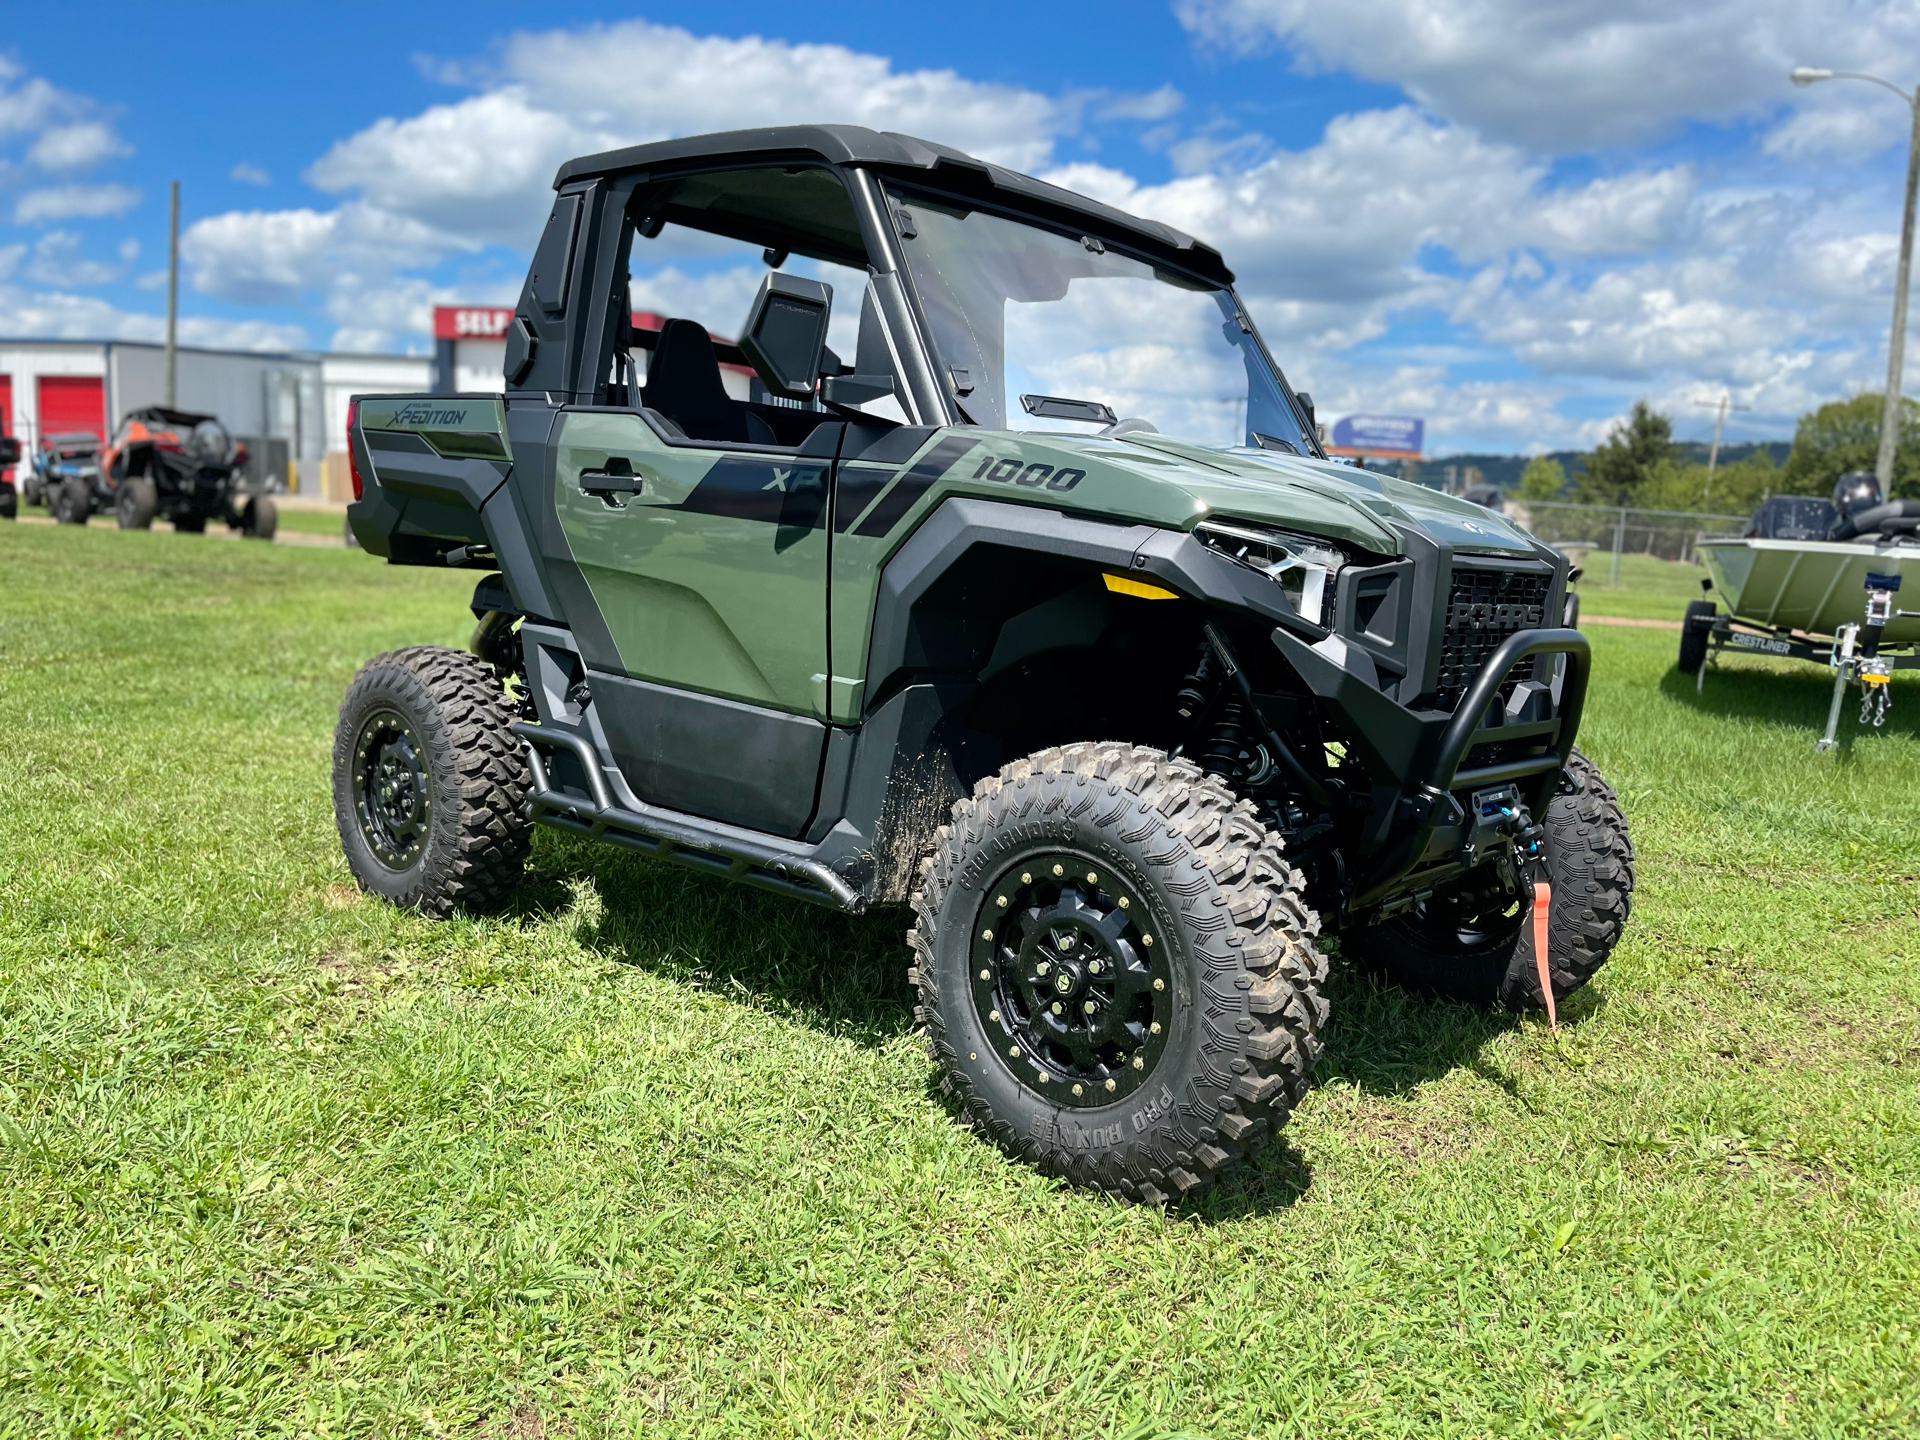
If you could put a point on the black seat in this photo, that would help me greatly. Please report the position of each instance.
(683, 384)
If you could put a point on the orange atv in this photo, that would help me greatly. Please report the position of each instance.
(178, 466)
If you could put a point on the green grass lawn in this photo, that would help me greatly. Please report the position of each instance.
(1649, 588)
(653, 1155)
(311, 522)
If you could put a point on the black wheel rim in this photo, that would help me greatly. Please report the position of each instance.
(392, 797)
(1073, 984)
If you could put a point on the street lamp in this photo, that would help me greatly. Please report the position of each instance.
(1890, 407)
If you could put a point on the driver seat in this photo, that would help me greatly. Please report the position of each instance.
(683, 384)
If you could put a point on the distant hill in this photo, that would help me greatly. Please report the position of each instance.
(1504, 470)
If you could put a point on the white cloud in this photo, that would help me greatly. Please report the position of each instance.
(57, 261)
(58, 315)
(1158, 104)
(278, 257)
(700, 83)
(1643, 281)
(484, 166)
(1556, 74)
(249, 174)
(76, 146)
(1343, 224)
(31, 103)
(479, 171)
(1838, 118)
(73, 202)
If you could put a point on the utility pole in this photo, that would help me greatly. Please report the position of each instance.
(173, 288)
(1720, 408)
(1890, 412)
(1897, 341)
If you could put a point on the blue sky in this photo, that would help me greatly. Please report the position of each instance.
(1511, 216)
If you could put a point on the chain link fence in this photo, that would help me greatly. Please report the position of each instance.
(1612, 531)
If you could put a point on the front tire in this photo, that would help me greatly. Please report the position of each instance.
(1150, 1011)
(1486, 958)
(71, 502)
(137, 504)
(429, 782)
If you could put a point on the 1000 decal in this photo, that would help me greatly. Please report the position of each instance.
(1015, 471)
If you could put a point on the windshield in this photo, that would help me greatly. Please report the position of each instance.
(1021, 315)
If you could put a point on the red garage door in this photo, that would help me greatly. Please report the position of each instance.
(6, 414)
(71, 403)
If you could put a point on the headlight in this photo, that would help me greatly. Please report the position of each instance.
(1302, 566)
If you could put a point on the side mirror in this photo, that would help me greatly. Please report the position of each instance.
(855, 389)
(9, 451)
(786, 331)
(1306, 404)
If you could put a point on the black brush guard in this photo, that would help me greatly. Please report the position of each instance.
(1426, 754)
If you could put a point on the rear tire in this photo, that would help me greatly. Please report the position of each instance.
(9, 501)
(71, 501)
(429, 782)
(139, 501)
(1695, 627)
(1590, 865)
(259, 518)
(1174, 932)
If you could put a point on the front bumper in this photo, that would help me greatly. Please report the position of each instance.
(1418, 759)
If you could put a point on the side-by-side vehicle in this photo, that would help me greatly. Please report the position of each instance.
(993, 568)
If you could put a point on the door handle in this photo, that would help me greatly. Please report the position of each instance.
(616, 479)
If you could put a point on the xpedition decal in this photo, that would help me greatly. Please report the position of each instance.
(416, 413)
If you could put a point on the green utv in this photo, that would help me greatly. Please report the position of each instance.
(994, 568)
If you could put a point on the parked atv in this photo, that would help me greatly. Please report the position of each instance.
(67, 477)
(9, 496)
(1046, 614)
(178, 466)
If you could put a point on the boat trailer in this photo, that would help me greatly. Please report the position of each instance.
(1855, 654)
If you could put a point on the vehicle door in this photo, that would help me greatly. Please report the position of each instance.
(708, 566)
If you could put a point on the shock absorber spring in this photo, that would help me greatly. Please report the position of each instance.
(1229, 751)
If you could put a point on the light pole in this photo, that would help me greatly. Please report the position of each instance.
(1890, 407)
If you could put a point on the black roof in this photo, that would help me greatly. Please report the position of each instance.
(902, 155)
(160, 414)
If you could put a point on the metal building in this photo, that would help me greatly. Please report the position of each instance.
(290, 408)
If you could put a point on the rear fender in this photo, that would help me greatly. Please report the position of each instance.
(435, 471)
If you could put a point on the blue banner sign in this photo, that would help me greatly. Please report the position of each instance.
(1380, 434)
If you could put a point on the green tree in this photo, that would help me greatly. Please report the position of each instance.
(1543, 479)
(1845, 436)
(1628, 458)
(1735, 489)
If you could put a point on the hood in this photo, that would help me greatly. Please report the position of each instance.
(1266, 485)
(1179, 483)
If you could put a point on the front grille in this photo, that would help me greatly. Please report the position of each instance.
(1484, 608)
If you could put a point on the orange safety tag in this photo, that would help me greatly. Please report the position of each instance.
(1542, 899)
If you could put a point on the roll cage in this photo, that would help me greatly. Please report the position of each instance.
(572, 326)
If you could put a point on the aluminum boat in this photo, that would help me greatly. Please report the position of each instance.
(1812, 586)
